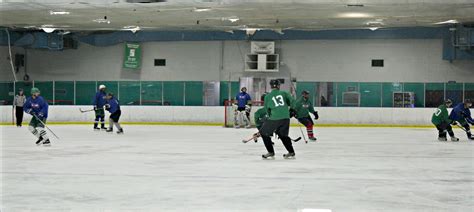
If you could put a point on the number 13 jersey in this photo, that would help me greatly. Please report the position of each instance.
(277, 104)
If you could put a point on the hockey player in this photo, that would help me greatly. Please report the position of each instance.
(462, 115)
(260, 117)
(442, 122)
(303, 107)
(277, 104)
(112, 105)
(38, 108)
(244, 104)
(98, 103)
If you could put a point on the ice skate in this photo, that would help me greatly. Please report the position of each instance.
(454, 139)
(442, 139)
(96, 129)
(289, 155)
(47, 143)
(39, 141)
(312, 139)
(120, 131)
(269, 156)
(109, 130)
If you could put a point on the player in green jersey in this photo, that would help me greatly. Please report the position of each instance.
(277, 105)
(442, 122)
(303, 107)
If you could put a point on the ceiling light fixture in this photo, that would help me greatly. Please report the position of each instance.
(202, 9)
(354, 15)
(373, 28)
(233, 19)
(51, 12)
(251, 31)
(449, 22)
(48, 28)
(101, 21)
(133, 29)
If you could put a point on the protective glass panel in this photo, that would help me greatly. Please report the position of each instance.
(434, 94)
(348, 94)
(173, 93)
(418, 89)
(326, 94)
(194, 94)
(152, 93)
(469, 91)
(388, 90)
(224, 91)
(6, 93)
(129, 92)
(85, 92)
(454, 91)
(64, 93)
(371, 94)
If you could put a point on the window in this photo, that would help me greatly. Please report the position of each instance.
(377, 63)
(160, 62)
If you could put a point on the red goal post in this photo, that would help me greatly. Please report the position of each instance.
(229, 110)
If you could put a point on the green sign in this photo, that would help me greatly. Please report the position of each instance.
(133, 56)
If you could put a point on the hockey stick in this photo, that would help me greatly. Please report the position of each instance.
(85, 111)
(254, 137)
(45, 126)
(460, 127)
(302, 134)
(301, 130)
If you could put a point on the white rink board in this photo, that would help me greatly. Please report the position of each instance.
(215, 114)
(194, 168)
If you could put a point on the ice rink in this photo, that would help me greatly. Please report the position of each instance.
(192, 168)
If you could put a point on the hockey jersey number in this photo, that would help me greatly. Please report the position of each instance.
(278, 100)
(437, 112)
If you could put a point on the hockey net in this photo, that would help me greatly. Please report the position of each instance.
(230, 112)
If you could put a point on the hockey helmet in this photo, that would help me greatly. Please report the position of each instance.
(275, 83)
(34, 90)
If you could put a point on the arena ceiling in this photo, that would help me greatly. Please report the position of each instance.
(228, 15)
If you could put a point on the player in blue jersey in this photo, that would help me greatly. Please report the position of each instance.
(98, 102)
(461, 114)
(38, 108)
(244, 105)
(113, 106)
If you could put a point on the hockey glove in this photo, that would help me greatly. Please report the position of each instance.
(107, 106)
(292, 113)
(29, 111)
(95, 107)
(316, 116)
(40, 115)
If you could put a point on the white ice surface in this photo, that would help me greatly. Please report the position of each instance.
(177, 168)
